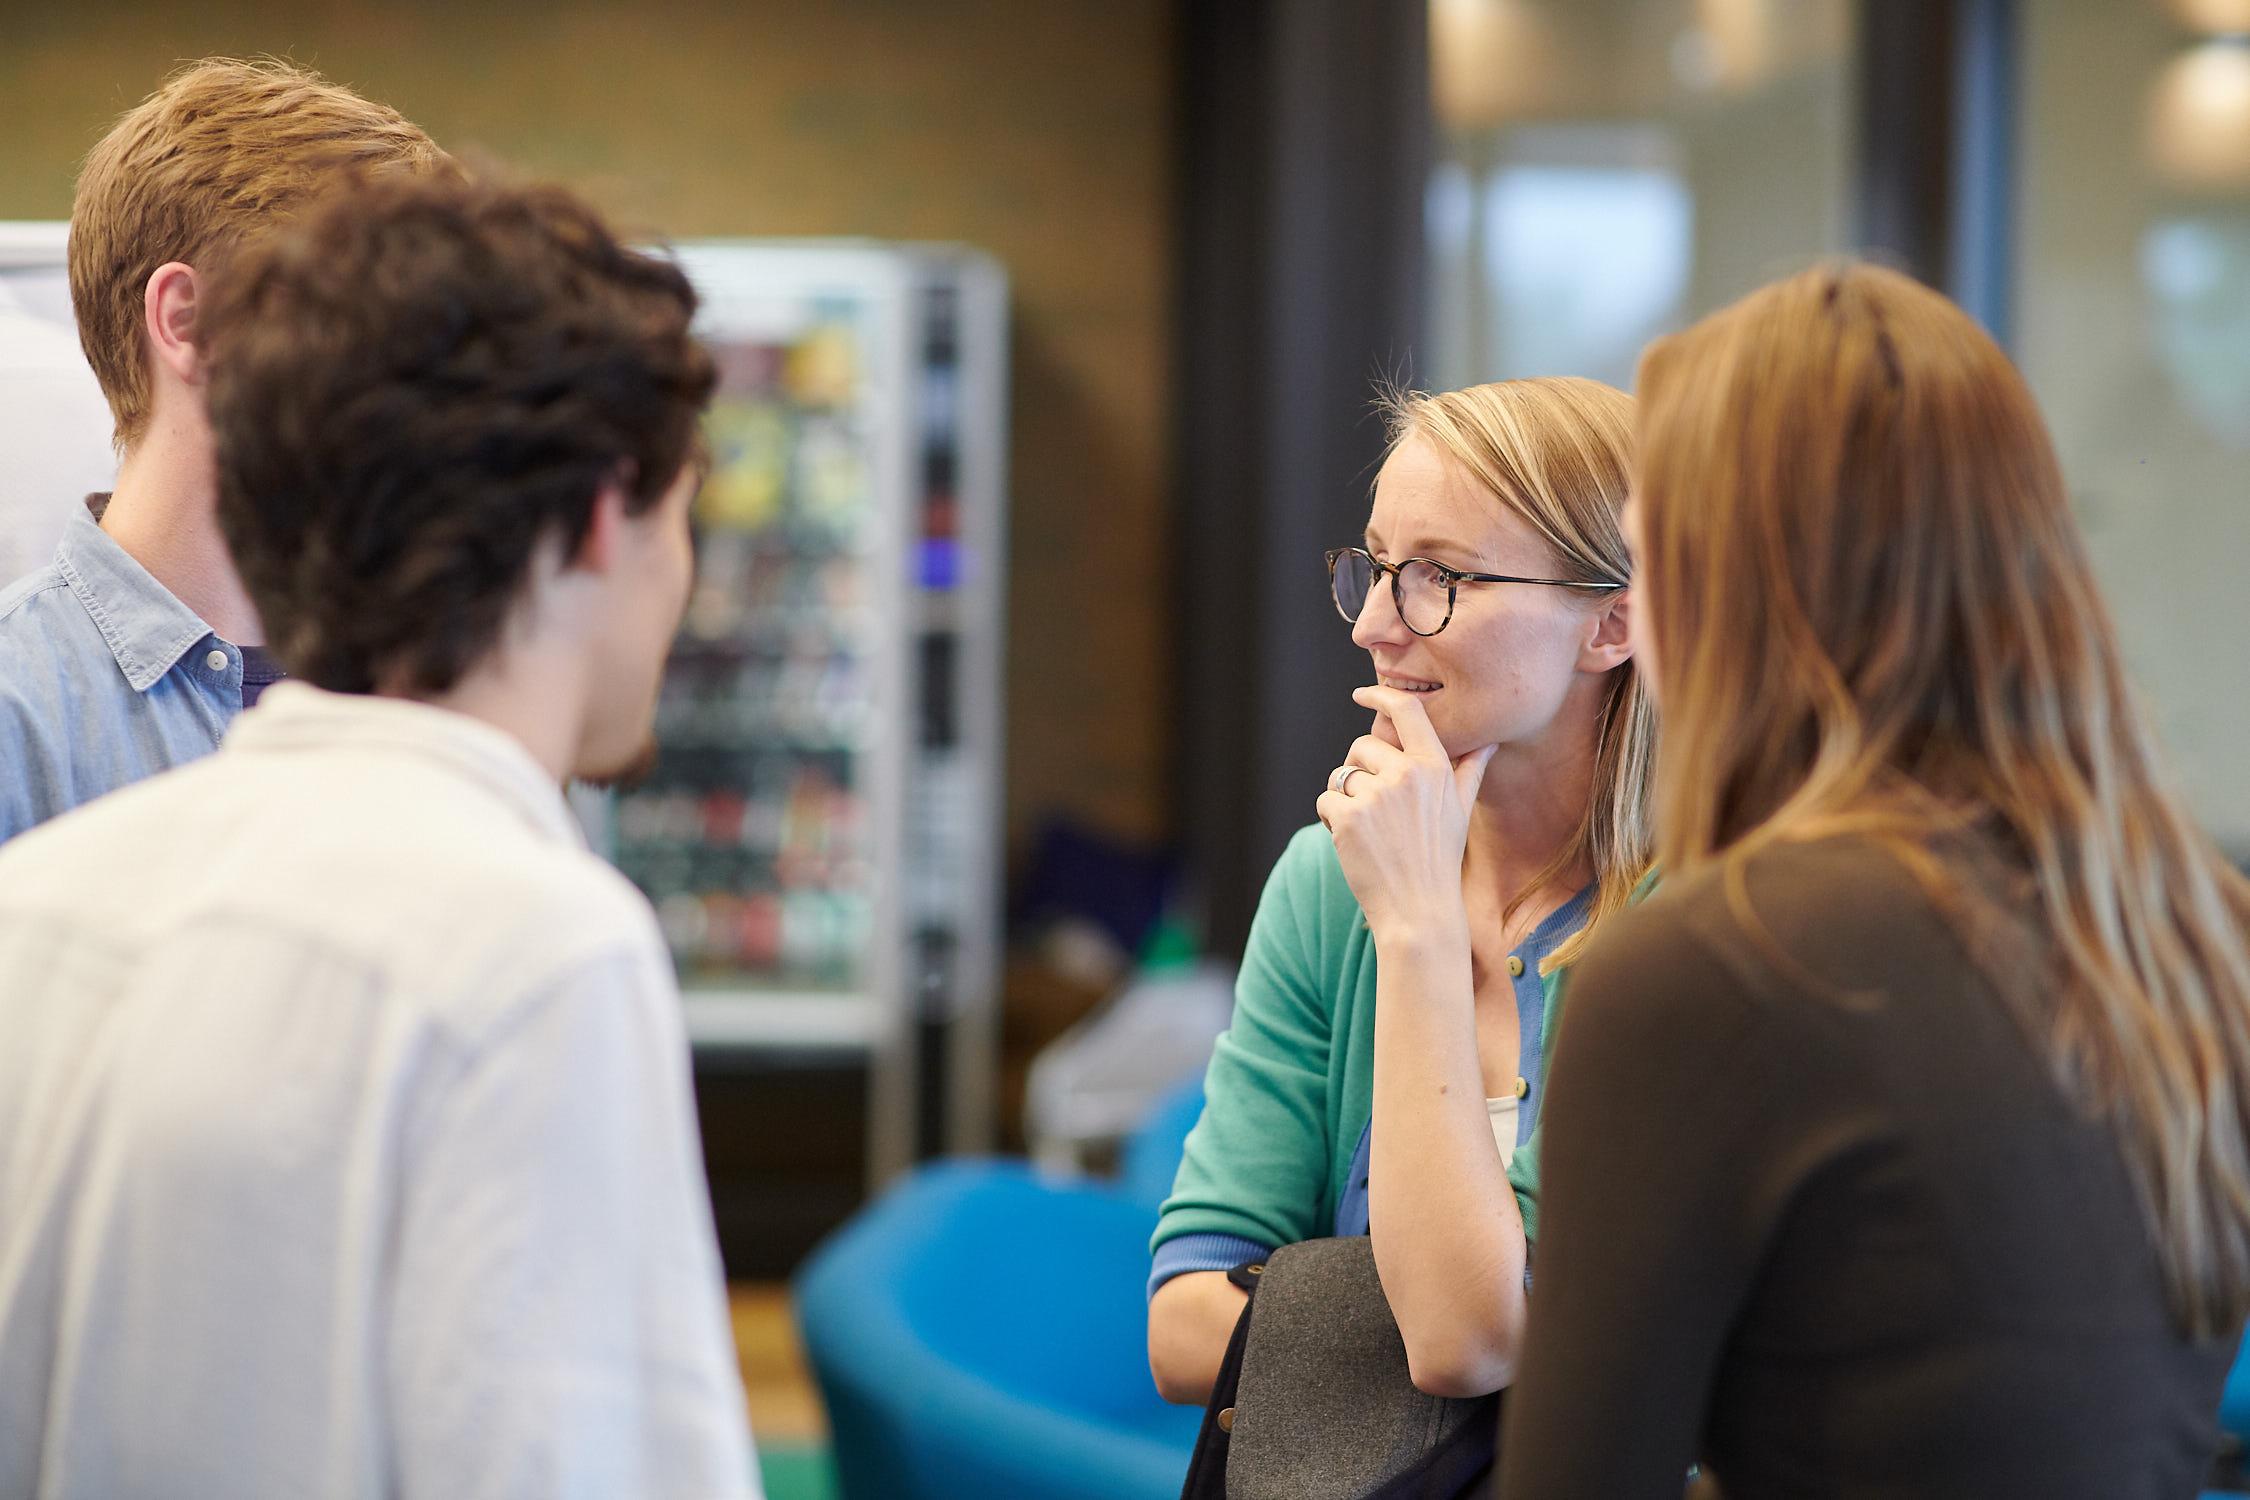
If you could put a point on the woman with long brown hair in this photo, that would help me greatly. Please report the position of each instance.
(1897, 1146)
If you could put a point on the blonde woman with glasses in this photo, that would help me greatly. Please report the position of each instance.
(1383, 1068)
(1898, 1146)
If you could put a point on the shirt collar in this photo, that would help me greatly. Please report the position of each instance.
(296, 716)
(147, 629)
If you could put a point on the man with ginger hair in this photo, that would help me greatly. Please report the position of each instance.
(135, 648)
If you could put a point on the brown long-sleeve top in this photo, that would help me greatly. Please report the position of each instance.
(1818, 1216)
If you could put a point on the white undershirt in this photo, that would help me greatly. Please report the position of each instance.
(1503, 1113)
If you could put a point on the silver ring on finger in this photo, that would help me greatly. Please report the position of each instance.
(1340, 778)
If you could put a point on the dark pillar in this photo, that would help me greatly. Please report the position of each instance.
(1306, 132)
(1936, 114)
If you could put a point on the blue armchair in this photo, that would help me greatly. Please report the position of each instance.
(978, 1330)
(2234, 1415)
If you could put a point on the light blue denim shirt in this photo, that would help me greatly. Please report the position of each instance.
(105, 678)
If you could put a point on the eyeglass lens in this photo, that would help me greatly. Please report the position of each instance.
(1422, 600)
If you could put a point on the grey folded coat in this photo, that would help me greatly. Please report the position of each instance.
(1325, 1408)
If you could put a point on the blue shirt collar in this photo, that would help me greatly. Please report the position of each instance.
(146, 628)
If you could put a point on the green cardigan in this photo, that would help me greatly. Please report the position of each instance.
(1291, 1085)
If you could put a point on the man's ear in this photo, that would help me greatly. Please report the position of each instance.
(597, 549)
(168, 320)
(1609, 643)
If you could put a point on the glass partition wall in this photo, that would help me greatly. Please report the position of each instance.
(2132, 314)
(1607, 170)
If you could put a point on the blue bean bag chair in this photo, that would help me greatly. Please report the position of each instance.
(2234, 1412)
(978, 1331)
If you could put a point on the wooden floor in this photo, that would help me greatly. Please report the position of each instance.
(784, 1404)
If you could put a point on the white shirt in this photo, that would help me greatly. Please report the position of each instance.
(54, 436)
(346, 1138)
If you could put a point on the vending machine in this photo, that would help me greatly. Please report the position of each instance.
(820, 833)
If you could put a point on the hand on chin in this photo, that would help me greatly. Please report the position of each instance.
(1398, 809)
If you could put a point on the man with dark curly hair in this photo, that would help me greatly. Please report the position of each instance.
(350, 1142)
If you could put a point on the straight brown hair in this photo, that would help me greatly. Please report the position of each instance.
(1873, 614)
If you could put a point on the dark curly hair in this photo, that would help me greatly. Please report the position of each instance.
(410, 391)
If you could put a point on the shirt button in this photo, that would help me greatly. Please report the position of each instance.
(1515, 966)
(216, 661)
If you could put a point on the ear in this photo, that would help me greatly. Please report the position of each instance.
(1609, 640)
(605, 530)
(168, 320)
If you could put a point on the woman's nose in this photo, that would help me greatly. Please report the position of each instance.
(1379, 623)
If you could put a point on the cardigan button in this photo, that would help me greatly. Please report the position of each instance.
(1523, 1088)
(1226, 1419)
(1515, 966)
